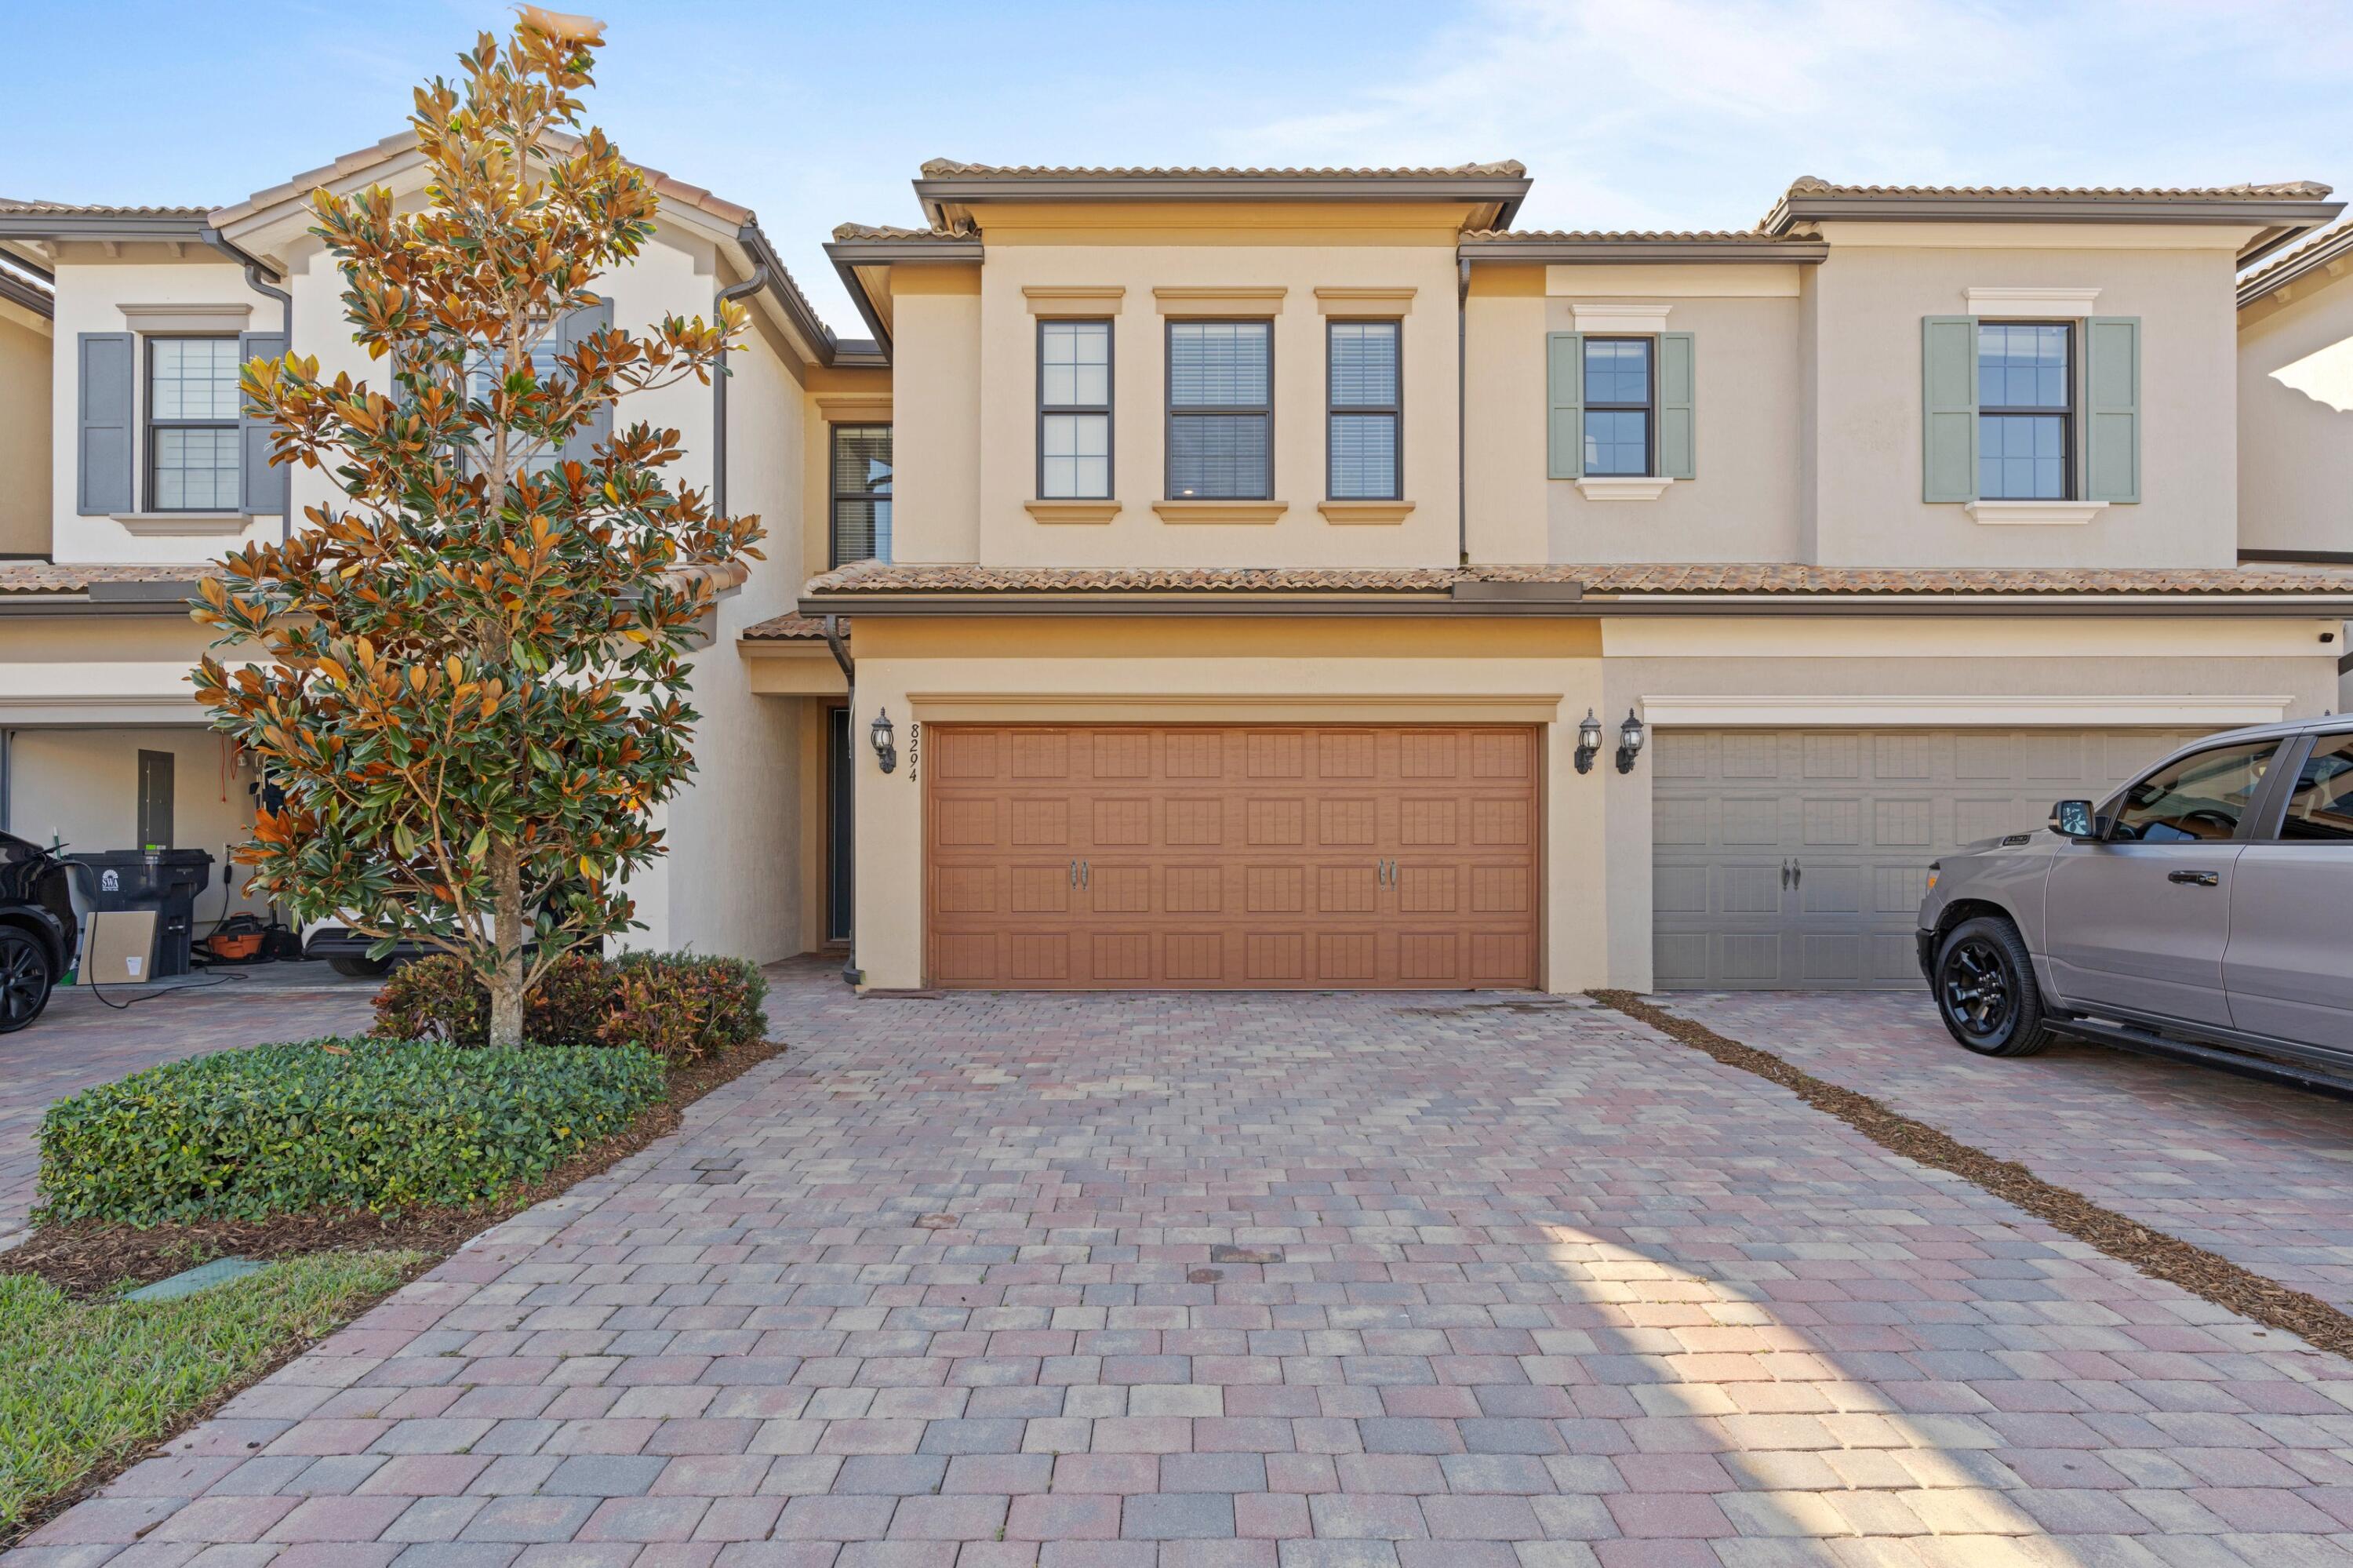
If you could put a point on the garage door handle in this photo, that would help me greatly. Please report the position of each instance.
(1086, 874)
(2194, 879)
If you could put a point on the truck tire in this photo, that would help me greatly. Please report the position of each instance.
(1985, 989)
(27, 978)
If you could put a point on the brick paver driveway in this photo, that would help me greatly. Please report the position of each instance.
(1289, 1282)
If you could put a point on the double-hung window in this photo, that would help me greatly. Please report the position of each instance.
(2026, 411)
(1619, 413)
(192, 440)
(1074, 410)
(1364, 447)
(1221, 410)
(862, 494)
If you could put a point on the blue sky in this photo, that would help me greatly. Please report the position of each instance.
(1630, 114)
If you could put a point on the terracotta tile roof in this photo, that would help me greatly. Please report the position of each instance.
(873, 577)
(888, 231)
(2316, 249)
(791, 628)
(48, 577)
(2284, 190)
(949, 168)
(97, 209)
(1631, 235)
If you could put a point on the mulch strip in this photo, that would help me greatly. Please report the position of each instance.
(2153, 1252)
(90, 1258)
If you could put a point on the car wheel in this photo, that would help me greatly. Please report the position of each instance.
(1985, 991)
(359, 966)
(26, 979)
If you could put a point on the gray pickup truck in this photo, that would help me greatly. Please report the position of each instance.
(2205, 910)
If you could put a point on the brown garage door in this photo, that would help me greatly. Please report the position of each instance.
(1214, 857)
(1796, 860)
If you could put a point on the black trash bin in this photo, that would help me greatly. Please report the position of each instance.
(166, 881)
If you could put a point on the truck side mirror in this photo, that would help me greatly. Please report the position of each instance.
(2072, 820)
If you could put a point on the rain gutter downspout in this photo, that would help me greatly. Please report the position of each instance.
(1462, 410)
(850, 973)
(751, 285)
(254, 273)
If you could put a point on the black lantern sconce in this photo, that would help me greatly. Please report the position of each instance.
(885, 752)
(1588, 742)
(1629, 742)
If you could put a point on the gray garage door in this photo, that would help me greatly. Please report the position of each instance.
(1795, 859)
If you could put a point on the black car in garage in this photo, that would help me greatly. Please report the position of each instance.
(36, 929)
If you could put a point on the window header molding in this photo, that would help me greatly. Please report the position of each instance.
(1620, 315)
(1219, 300)
(1364, 301)
(2066, 302)
(1074, 299)
(186, 315)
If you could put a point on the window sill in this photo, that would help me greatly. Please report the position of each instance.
(1623, 487)
(1364, 511)
(168, 524)
(1068, 511)
(2060, 514)
(1220, 511)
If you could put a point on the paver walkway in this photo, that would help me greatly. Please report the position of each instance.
(2260, 1173)
(81, 1041)
(1288, 1282)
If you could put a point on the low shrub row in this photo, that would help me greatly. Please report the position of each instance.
(355, 1124)
(679, 1006)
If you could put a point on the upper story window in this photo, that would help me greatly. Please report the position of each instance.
(1364, 448)
(192, 440)
(2026, 411)
(1618, 411)
(1074, 410)
(1221, 410)
(862, 494)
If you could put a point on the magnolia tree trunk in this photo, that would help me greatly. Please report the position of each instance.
(506, 934)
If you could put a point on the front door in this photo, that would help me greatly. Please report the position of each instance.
(2286, 969)
(2137, 922)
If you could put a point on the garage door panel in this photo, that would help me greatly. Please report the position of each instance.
(1234, 857)
(1861, 813)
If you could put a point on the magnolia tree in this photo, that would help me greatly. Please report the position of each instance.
(468, 678)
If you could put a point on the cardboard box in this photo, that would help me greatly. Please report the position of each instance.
(118, 946)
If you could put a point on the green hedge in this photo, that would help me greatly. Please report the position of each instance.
(348, 1124)
(679, 1006)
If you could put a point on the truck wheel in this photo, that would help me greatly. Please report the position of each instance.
(359, 966)
(1985, 989)
(26, 979)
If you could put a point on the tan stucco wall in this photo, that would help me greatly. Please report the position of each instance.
(1504, 482)
(2296, 419)
(25, 431)
(935, 401)
(1868, 299)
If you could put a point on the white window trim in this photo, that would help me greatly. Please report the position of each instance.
(1620, 316)
(1622, 486)
(2045, 514)
(2023, 303)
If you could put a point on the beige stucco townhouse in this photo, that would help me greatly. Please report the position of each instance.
(1204, 578)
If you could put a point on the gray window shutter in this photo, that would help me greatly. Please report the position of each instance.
(1565, 397)
(1948, 405)
(2112, 409)
(1677, 439)
(261, 489)
(106, 442)
(587, 319)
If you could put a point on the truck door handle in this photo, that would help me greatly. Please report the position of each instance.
(2194, 879)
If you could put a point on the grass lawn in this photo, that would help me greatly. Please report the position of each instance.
(84, 1384)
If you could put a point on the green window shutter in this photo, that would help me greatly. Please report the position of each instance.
(1677, 442)
(2112, 409)
(105, 441)
(1565, 395)
(1949, 408)
(261, 489)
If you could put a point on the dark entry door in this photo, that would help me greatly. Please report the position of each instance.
(839, 838)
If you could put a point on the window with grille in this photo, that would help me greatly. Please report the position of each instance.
(1618, 406)
(1220, 411)
(1074, 410)
(192, 442)
(2026, 411)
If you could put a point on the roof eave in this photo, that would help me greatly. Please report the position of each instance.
(2280, 219)
(2331, 256)
(97, 226)
(1438, 601)
(940, 193)
(848, 255)
(1574, 252)
(24, 291)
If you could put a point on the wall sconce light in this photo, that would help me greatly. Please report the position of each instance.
(1588, 741)
(1629, 742)
(885, 752)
